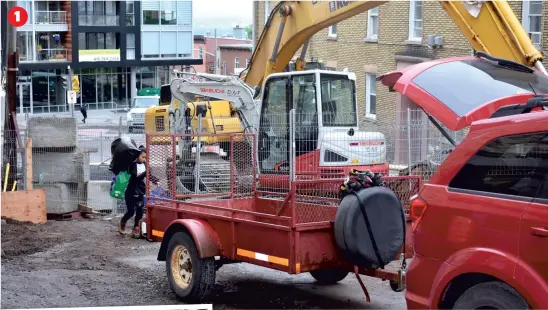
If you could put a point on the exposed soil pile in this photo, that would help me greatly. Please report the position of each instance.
(25, 238)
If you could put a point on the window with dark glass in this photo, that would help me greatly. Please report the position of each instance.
(98, 13)
(130, 13)
(514, 165)
(465, 85)
(101, 41)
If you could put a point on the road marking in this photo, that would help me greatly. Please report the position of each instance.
(263, 257)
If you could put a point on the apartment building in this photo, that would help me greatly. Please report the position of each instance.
(115, 48)
(391, 36)
(232, 52)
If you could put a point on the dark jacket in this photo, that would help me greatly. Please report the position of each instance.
(136, 185)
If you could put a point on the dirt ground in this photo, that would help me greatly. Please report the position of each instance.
(84, 263)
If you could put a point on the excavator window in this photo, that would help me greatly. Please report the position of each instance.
(274, 126)
(338, 101)
(306, 113)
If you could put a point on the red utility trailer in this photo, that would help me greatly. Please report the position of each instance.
(290, 230)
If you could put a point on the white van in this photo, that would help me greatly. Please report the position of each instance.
(136, 115)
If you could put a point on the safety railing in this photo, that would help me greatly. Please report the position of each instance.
(50, 17)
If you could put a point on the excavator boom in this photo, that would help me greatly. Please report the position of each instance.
(489, 26)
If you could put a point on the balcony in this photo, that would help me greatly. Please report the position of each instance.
(52, 54)
(50, 17)
(98, 20)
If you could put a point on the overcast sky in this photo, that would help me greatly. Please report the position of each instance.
(217, 13)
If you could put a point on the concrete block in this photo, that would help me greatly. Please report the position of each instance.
(53, 132)
(61, 197)
(61, 167)
(98, 193)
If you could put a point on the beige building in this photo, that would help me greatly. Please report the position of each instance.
(391, 36)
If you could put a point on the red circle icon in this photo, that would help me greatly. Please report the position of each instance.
(18, 16)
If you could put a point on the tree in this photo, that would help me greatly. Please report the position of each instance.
(249, 31)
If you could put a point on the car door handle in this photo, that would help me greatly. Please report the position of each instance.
(539, 231)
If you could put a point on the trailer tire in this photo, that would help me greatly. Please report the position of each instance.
(491, 295)
(190, 277)
(386, 224)
(328, 276)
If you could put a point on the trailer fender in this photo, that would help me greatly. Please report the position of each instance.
(204, 237)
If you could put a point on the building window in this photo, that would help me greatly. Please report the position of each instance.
(98, 41)
(159, 12)
(130, 13)
(168, 13)
(373, 23)
(98, 13)
(512, 166)
(532, 21)
(200, 53)
(130, 46)
(332, 31)
(266, 11)
(236, 62)
(371, 95)
(415, 20)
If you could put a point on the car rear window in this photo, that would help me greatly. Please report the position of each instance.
(465, 85)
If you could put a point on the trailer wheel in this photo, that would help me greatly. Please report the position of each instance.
(490, 295)
(190, 277)
(328, 276)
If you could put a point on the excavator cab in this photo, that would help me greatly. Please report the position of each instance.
(326, 123)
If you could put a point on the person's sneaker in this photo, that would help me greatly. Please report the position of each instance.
(122, 228)
(135, 233)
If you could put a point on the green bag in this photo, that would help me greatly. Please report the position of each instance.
(120, 185)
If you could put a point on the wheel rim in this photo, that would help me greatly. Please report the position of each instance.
(181, 266)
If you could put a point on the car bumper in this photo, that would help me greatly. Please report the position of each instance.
(419, 278)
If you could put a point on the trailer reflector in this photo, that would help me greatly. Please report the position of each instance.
(263, 257)
(157, 233)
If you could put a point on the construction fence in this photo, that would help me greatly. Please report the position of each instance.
(70, 159)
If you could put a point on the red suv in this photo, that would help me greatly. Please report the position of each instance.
(481, 221)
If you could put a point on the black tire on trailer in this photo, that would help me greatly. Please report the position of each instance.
(329, 276)
(386, 218)
(340, 222)
(491, 295)
(190, 277)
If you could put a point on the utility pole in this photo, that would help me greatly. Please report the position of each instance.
(10, 134)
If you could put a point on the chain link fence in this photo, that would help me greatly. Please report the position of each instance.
(70, 158)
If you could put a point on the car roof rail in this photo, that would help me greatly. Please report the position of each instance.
(520, 108)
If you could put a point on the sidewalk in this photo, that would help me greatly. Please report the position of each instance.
(96, 118)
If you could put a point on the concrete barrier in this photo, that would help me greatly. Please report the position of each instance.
(61, 167)
(53, 132)
(99, 196)
(62, 198)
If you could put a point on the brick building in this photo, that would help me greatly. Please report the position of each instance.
(391, 36)
(233, 58)
(205, 48)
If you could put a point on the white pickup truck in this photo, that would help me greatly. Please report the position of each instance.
(136, 115)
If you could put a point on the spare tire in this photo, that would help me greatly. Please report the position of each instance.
(385, 227)
(340, 223)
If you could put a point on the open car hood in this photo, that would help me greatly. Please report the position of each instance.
(460, 90)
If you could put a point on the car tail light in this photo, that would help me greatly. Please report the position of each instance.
(416, 210)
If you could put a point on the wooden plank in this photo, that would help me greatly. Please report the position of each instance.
(28, 163)
(25, 206)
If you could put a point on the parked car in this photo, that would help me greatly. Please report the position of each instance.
(136, 115)
(480, 230)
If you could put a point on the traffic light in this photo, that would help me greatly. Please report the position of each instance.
(64, 79)
(75, 84)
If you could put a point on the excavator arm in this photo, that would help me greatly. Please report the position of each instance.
(489, 26)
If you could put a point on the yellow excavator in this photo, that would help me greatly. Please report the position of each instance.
(243, 103)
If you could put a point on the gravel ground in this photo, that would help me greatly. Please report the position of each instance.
(85, 263)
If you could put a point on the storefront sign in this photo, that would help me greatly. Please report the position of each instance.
(98, 55)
